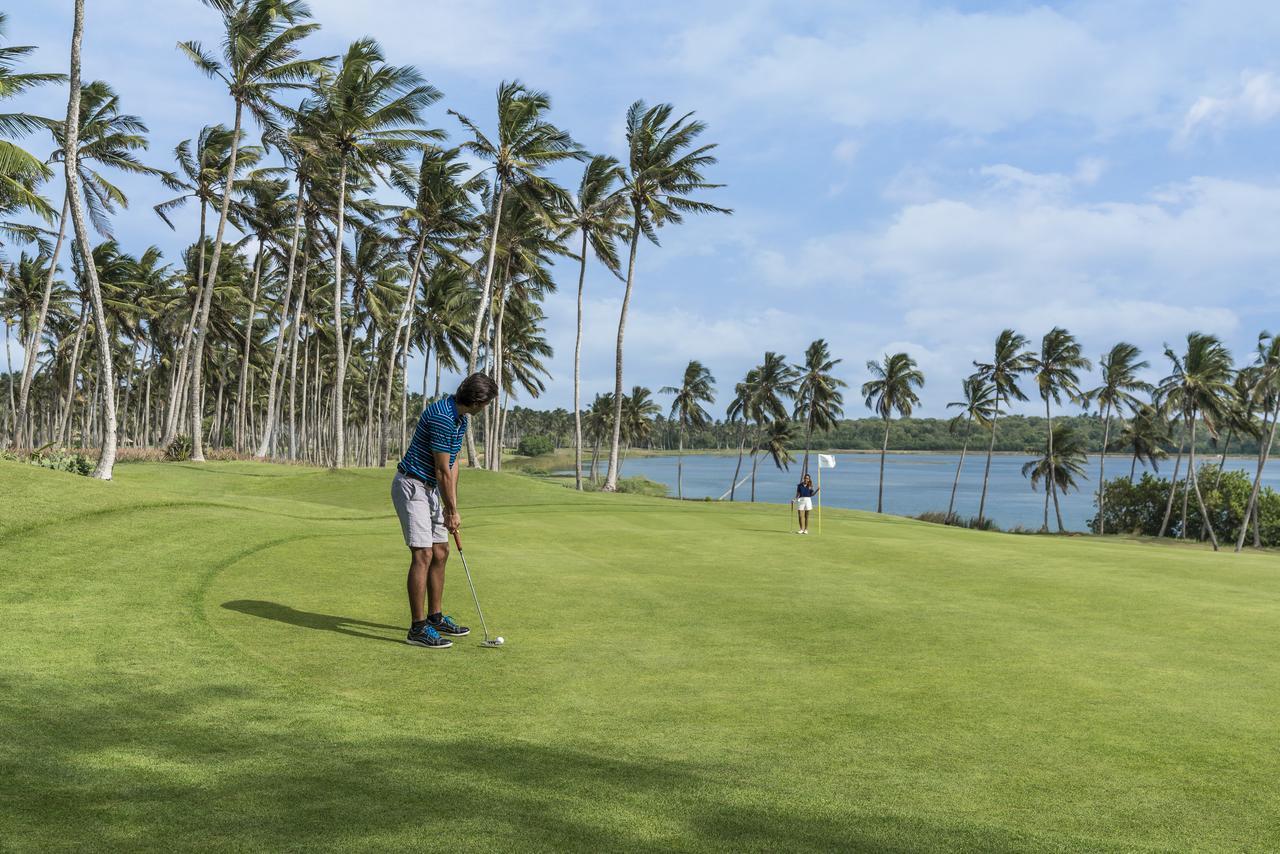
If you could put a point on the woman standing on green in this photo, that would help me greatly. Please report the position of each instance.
(804, 502)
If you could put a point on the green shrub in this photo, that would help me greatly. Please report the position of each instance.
(535, 446)
(937, 517)
(67, 461)
(179, 450)
(1138, 508)
(6, 454)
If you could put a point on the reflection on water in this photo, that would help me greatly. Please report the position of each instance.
(913, 483)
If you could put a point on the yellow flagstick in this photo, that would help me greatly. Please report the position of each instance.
(819, 496)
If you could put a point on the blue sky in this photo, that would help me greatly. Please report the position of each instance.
(905, 176)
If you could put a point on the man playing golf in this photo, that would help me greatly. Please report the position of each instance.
(425, 495)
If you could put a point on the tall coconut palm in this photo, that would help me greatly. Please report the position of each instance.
(1120, 367)
(260, 59)
(1009, 361)
(107, 138)
(978, 404)
(777, 443)
(71, 166)
(697, 388)
(768, 385)
(1268, 395)
(524, 146)
(1055, 369)
(21, 169)
(598, 212)
(664, 168)
(1199, 388)
(892, 390)
(1144, 437)
(202, 169)
(740, 411)
(819, 401)
(370, 112)
(1061, 464)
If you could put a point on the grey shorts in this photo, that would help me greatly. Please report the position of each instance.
(421, 512)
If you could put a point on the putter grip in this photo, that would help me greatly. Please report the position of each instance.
(457, 541)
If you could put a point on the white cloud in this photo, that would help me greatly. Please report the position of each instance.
(846, 150)
(1255, 101)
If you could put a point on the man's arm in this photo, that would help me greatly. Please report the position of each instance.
(447, 480)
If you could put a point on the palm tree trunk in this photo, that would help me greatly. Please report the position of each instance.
(1186, 496)
(884, 450)
(733, 484)
(1102, 468)
(340, 365)
(1195, 484)
(405, 321)
(483, 306)
(178, 381)
(1133, 466)
(1052, 485)
(577, 374)
(494, 462)
(71, 150)
(986, 473)
(755, 462)
(71, 377)
(269, 420)
(680, 467)
(1173, 482)
(960, 465)
(1264, 451)
(29, 353)
(202, 333)
(808, 437)
(13, 400)
(297, 339)
(240, 413)
(611, 478)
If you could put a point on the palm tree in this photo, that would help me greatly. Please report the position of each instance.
(525, 144)
(1268, 393)
(777, 443)
(203, 168)
(260, 58)
(638, 412)
(107, 138)
(71, 166)
(369, 112)
(22, 170)
(663, 169)
(1199, 387)
(1010, 360)
(892, 390)
(767, 386)
(697, 388)
(1144, 437)
(1054, 369)
(598, 214)
(740, 410)
(1061, 464)
(818, 399)
(978, 404)
(1120, 368)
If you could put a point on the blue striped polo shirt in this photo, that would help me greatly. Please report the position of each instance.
(439, 430)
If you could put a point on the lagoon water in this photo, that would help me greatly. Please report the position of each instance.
(913, 484)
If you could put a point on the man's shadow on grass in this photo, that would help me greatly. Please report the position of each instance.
(309, 619)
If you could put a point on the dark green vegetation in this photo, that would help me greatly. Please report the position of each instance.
(1139, 507)
(209, 657)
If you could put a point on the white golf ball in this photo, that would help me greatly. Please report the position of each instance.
(499, 640)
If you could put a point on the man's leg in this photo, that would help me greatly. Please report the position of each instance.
(438, 556)
(419, 566)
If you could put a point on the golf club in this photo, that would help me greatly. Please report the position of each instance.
(498, 641)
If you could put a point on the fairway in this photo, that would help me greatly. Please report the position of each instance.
(211, 656)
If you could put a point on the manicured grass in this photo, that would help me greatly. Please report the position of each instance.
(210, 657)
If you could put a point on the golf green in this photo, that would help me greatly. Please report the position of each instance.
(211, 656)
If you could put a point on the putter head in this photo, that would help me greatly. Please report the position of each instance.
(495, 642)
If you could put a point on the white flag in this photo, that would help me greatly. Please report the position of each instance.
(826, 461)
